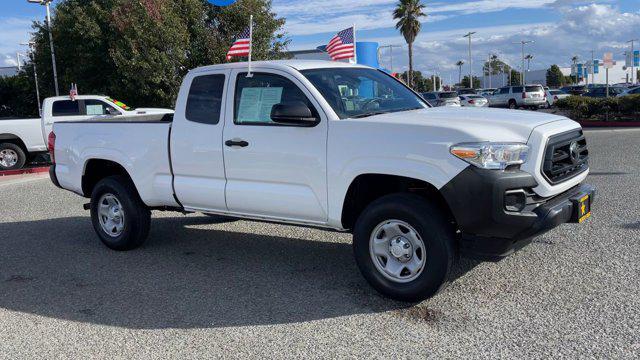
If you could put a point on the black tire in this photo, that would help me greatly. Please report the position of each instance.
(513, 104)
(435, 231)
(137, 217)
(14, 149)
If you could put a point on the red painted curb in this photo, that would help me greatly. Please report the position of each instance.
(610, 123)
(35, 170)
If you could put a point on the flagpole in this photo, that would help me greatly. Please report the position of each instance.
(249, 74)
(355, 52)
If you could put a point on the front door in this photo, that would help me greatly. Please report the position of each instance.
(274, 170)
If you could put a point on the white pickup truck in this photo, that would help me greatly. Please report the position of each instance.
(22, 140)
(335, 146)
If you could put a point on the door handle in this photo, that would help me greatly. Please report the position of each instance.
(236, 142)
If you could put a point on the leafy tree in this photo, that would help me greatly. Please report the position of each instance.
(421, 83)
(476, 82)
(555, 77)
(18, 96)
(514, 78)
(408, 14)
(138, 51)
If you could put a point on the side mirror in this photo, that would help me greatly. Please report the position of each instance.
(294, 113)
(112, 111)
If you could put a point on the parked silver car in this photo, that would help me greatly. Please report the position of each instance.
(473, 101)
(442, 98)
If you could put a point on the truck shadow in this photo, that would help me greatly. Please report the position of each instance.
(184, 277)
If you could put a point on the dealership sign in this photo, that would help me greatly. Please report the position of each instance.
(608, 60)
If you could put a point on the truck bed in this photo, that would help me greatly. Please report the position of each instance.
(139, 143)
(27, 130)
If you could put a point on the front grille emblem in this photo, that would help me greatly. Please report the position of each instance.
(574, 152)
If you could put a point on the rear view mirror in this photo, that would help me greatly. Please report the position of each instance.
(294, 113)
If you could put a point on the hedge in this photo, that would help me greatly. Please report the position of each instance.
(624, 108)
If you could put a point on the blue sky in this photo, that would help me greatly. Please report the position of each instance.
(560, 28)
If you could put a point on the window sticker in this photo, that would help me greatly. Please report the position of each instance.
(256, 104)
(95, 110)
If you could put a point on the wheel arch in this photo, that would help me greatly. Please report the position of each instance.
(14, 139)
(366, 188)
(96, 169)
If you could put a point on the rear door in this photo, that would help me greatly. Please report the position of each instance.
(274, 170)
(196, 142)
(501, 97)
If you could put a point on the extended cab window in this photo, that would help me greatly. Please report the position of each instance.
(66, 108)
(97, 107)
(256, 96)
(205, 99)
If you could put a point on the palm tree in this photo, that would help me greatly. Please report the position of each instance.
(459, 65)
(575, 61)
(408, 14)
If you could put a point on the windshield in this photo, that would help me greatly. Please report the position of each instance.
(357, 92)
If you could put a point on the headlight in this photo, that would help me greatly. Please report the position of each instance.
(488, 155)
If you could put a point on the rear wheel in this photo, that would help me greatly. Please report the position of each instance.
(404, 247)
(12, 157)
(513, 104)
(119, 216)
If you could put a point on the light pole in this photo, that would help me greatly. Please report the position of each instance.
(468, 35)
(31, 46)
(53, 53)
(633, 56)
(523, 43)
(390, 54)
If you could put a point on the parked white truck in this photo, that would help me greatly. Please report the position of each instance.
(23, 139)
(335, 146)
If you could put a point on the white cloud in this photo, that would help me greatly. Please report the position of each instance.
(598, 27)
(328, 15)
(13, 31)
(8, 60)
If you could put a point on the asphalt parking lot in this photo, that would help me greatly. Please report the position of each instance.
(203, 288)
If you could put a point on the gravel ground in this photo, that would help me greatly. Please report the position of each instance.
(202, 289)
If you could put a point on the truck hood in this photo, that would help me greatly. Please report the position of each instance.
(479, 124)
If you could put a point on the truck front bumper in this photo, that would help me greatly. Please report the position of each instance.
(498, 213)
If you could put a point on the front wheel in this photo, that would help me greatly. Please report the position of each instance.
(404, 247)
(119, 216)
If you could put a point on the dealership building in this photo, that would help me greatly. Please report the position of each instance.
(618, 74)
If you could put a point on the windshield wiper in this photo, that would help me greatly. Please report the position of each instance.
(363, 115)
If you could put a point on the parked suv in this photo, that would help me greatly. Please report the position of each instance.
(513, 97)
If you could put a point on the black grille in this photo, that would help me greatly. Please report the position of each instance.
(560, 162)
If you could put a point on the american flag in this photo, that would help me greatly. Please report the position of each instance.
(242, 45)
(341, 46)
(73, 92)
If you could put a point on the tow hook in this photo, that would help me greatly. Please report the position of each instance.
(87, 206)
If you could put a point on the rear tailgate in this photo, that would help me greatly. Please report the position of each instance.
(141, 147)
